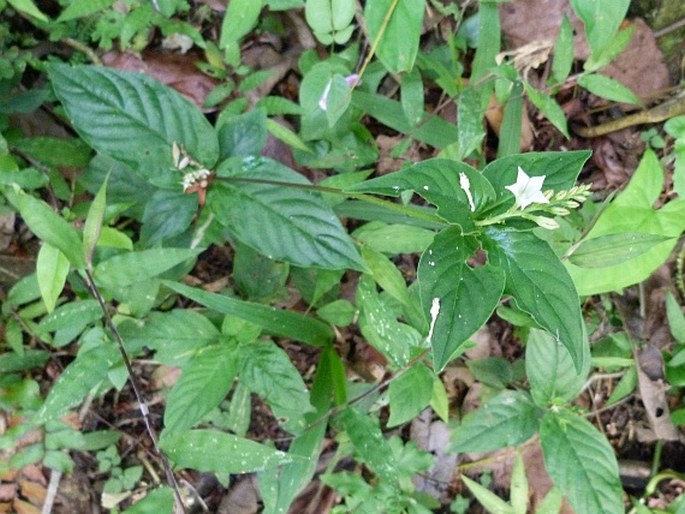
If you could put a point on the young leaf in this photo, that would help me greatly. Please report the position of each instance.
(94, 220)
(676, 319)
(581, 463)
(370, 445)
(602, 19)
(219, 452)
(411, 95)
(409, 394)
(508, 419)
(613, 249)
(52, 268)
(28, 7)
(48, 226)
(81, 8)
(608, 88)
(487, 498)
(267, 371)
(129, 268)
(329, 19)
(159, 500)
(396, 28)
(510, 131)
(133, 118)
(519, 487)
(563, 52)
(550, 370)
(489, 40)
(540, 285)
(549, 107)
(263, 211)
(274, 321)
(240, 17)
(203, 385)
(456, 298)
(470, 129)
(76, 381)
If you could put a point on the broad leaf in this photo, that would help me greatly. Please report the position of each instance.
(219, 452)
(134, 119)
(508, 419)
(397, 35)
(205, 382)
(274, 321)
(76, 381)
(632, 211)
(581, 463)
(267, 371)
(167, 214)
(456, 298)
(438, 181)
(243, 135)
(612, 249)
(560, 169)
(52, 268)
(258, 204)
(73, 313)
(369, 443)
(550, 370)
(48, 226)
(130, 268)
(602, 19)
(539, 284)
(410, 393)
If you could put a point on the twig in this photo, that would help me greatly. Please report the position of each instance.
(77, 45)
(669, 28)
(55, 477)
(144, 410)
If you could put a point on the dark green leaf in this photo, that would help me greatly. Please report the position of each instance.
(218, 452)
(581, 463)
(470, 119)
(508, 419)
(457, 298)
(79, 313)
(167, 214)
(260, 208)
(11, 362)
(275, 321)
(243, 135)
(540, 285)
(410, 393)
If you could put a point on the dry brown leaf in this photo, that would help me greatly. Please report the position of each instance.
(7, 492)
(32, 491)
(22, 507)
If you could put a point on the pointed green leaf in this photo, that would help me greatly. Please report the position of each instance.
(130, 268)
(219, 452)
(563, 52)
(28, 7)
(48, 225)
(133, 118)
(549, 107)
(93, 224)
(487, 498)
(608, 88)
(411, 94)
(397, 28)
(80, 8)
(204, 383)
(159, 500)
(602, 19)
(508, 419)
(267, 371)
(581, 463)
(52, 268)
(612, 249)
(410, 393)
(539, 284)
(456, 298)
(274, 321)
(550, 370)
(270, 215)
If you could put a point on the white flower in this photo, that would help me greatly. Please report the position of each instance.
(466, 186)
(527, 190)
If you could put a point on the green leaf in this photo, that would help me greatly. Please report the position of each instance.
(257, 202)
(612, 249)
(369, 443)
(581, 463)
(633, 211)
(204, 383)
(625, 386)
(93, 224)
(519, 487)
(456, 298)
(52, 268)
(81, 8)
(386, 274)
(255, 276)
(487, 498)
(48, 226)
(77, 380)
(602, 19)
(411, 95)
(159, 500)
(470, 118)
(396, 36)
(274, 321)
(410, 393)
(508, 419)
(286, 135)
(338, 95)
(560, 169)
(79, 313)
(243, 135)
(130, 268)
(240, 17)
(676, 319)
(28, 7)
(329, 17)
(267, 371)
(394, 239)
(55, 151)
(134, 119)
(219, 452)
(608, 88)
(612, 50)
(11, 362)
(489, 40)
(563, 52)
(539, 284)
(167, 214)
(549, 107)
(510, 131)
(550, 370)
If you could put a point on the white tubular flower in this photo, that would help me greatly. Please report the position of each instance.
(527, 190)
(465, 184)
